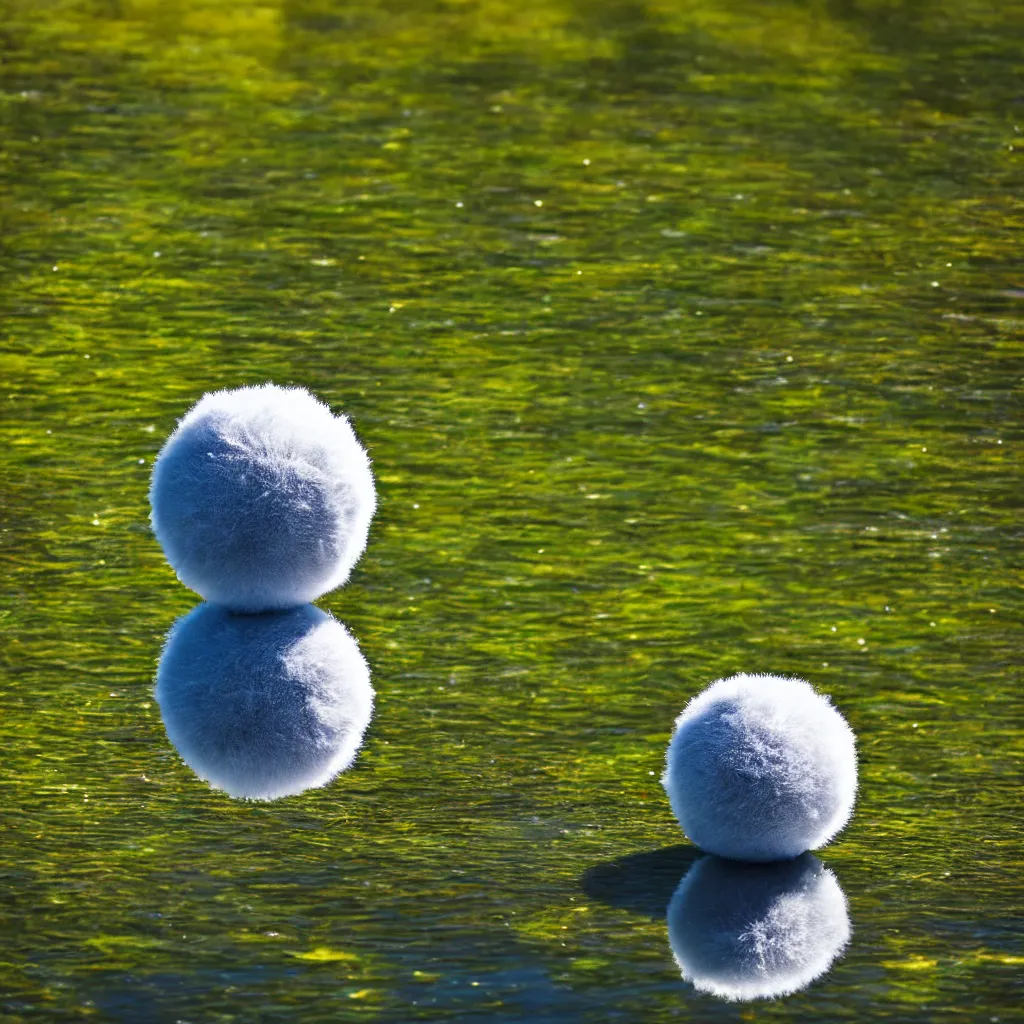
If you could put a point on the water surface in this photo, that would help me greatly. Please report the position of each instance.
(685, 338)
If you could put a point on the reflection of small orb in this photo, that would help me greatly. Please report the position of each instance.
(750, 931)
(761, 768)
(262, 498)
(264, 706)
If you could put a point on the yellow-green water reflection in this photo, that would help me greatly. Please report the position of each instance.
(686, 340)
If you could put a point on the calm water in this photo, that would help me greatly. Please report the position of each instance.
(686, 340)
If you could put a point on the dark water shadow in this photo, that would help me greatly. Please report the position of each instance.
(640, 882)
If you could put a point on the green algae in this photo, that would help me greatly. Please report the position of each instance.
(685, 339)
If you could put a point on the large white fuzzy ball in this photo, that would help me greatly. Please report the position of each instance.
(761, 768)
(264, 706)
(262, 498)
(754, 931)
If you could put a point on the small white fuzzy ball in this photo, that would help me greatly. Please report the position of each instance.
(757, 931)
(262, 498)
(264, 706)
(761, 768)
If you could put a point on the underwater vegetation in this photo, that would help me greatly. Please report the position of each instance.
(685, 339)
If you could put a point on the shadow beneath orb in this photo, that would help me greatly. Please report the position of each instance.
(640, 882)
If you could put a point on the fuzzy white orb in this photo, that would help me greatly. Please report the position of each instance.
(262, 498)
(264, 706)
(756, 931)
(761, 768)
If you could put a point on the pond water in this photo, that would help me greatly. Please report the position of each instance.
(685, 338)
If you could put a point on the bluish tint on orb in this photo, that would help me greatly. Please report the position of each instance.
(761, 768)
(757, 931)
(262, 498)
(264, 706)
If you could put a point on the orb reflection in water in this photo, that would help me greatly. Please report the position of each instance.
(264, 706)
(750, 931)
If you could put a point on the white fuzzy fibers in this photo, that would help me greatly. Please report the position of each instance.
(756, 931)
(761, 768)
(262, 498)
(264, 706)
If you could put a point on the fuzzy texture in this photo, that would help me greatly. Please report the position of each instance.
(264, 706)
(761, 768)
(262, 498)
(757, 931)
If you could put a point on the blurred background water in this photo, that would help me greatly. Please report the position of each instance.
(685, 337)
